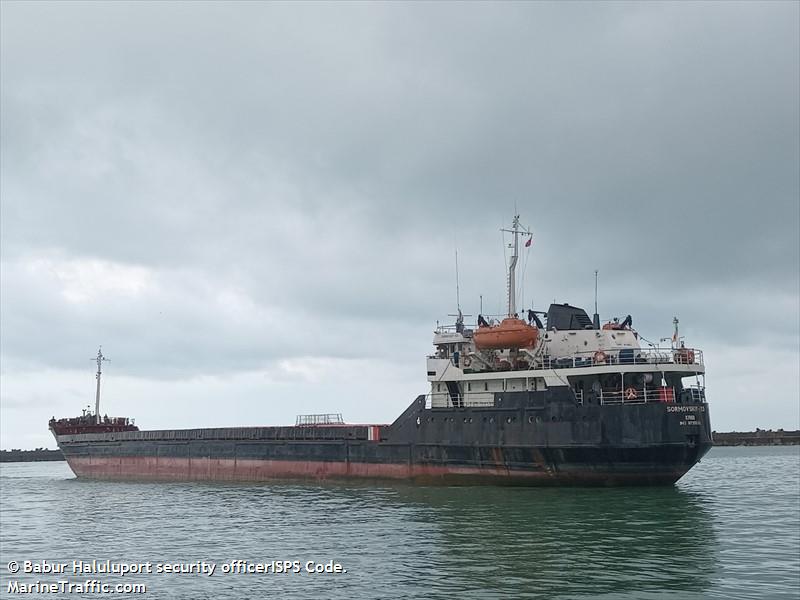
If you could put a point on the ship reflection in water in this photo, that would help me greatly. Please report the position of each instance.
(400, 541)
(567, 542)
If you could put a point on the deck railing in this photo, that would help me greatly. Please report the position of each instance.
(320, 419)
(626, 356)
(629, 395)
(468, 400)
(604, 358)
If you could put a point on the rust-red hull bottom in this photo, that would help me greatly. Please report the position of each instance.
(149, 468)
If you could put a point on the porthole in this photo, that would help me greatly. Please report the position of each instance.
(530, 419)
(491, 419)
(509, 419)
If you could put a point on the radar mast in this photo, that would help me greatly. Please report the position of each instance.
(516, 229)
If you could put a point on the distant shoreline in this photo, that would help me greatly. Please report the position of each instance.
(38, 455)
(759, 437)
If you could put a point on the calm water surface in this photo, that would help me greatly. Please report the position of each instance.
(729, 529)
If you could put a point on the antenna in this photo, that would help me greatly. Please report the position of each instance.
(596, 320)
(100, 360)
(458, 297)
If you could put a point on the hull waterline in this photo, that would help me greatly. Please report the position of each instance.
(557, 443)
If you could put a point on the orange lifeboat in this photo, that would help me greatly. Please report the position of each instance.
(510, 333)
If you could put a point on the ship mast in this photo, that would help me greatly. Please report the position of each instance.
(512, 268)
(675, 337)
(100, 359)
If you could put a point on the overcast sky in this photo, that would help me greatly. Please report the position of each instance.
(254, 207)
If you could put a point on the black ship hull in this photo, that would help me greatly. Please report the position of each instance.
(526, 438)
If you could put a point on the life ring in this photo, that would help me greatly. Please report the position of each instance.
(630, 394)
(600, 356)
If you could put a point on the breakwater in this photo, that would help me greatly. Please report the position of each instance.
(37, 455)
(759, 437)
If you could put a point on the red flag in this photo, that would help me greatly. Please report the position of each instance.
(528, 243)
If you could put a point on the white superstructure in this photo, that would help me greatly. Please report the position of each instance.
(601, 364)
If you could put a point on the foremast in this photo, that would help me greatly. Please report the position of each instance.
(100, 360)
(88, 422)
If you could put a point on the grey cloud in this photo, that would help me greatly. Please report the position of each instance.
(314, 166)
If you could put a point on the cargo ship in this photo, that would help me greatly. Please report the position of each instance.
(544, 397)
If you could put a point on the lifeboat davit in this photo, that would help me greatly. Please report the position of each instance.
(510, 333)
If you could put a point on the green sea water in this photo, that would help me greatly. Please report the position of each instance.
(728, 529)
